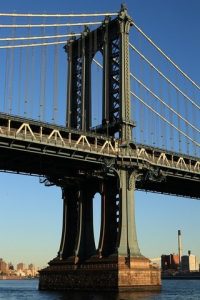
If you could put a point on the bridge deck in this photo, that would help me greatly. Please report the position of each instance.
(27, 146)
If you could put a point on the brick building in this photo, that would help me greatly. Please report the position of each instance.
(169, 262)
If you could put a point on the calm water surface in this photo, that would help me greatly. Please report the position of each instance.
(28, 289)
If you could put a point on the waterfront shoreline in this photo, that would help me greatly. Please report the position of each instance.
(5, 277)
(181, 276)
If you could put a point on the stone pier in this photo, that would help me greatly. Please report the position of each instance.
(102, 275)
(117, 264)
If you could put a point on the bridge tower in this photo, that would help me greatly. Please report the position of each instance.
(117, 264)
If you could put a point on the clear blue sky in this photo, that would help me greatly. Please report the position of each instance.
(31, 214)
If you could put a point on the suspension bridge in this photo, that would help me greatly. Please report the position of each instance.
(91, 104)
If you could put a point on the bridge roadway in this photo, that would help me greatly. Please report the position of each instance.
(55, 152)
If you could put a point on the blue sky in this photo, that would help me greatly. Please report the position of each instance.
(31, 214)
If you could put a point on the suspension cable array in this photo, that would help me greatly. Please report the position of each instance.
(157, 113)
(165, 102)
(166, 56)
(166, 97)
(37, 76)
(161, 74)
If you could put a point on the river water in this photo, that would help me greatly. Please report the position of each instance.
(28, 289)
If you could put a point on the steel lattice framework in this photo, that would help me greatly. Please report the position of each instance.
(111, 39)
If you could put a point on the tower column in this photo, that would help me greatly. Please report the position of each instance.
(132, 235)
(128, 245)
(68, 48)
(125, 106)
(70, 220)
(109, 219)
(85, 244)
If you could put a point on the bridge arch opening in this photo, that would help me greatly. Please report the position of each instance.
(97, 89)
(97, 218)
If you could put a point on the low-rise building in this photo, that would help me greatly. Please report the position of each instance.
(169, 262)
(189, 263)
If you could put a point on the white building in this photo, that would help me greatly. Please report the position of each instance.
(189, 263)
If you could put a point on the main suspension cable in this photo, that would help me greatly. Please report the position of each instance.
(58, 15)
(48, 25)
(31, 45)
(40, 37)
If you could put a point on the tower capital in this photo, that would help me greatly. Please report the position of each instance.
(123, 14)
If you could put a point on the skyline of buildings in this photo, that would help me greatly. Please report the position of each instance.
(180, 262)
(188, 263)
(21, 269)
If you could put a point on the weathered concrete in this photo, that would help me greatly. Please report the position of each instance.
(135, 274)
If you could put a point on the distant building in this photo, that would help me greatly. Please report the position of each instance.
(21, 267)
(169, 262)
(189, 262)
(32, 270)
(3, 266)
(10, 266)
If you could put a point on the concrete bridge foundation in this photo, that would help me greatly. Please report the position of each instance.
(112, 274)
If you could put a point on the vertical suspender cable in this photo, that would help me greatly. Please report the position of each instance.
(178, 120)
(41, 76)
(165, 116)
(157, 125)
(151, 119)
(160, 122)
(185, 124)
(194, 113)
(162, 125)
(27, 78)
(141, 115)
(11, 75)
(2, 79)
(6, 80)
(42, 80)
(19, 81)
(171, 131)
(133, 88)
(32, 81)
(55, 83)
(141, 109)
(44, 83)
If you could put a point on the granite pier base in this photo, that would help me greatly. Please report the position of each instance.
(134, 274)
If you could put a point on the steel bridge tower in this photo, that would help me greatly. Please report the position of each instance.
(117, 264)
